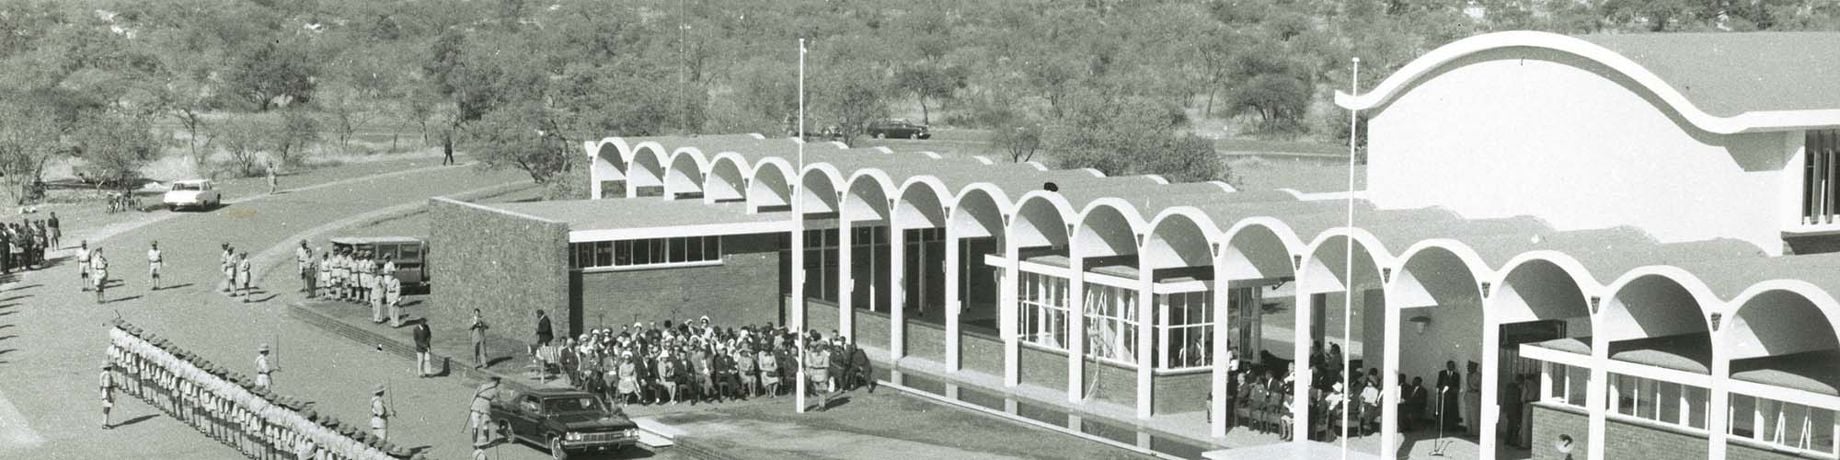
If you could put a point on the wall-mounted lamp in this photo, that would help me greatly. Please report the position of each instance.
(1421, 321)
(1715, 320)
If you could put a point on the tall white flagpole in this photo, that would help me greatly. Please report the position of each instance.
(1354, 85)
(798, 216)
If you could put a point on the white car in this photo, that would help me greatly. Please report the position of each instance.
(195, 193)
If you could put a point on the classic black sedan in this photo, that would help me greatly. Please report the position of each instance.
(883, 129)
(565, 421)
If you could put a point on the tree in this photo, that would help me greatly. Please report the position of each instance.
(509, 137)
(1278, 99)
(264, 72)
(851, 99)
(1130, 135)
(295, 132)
(1021, 140)
(929, 82)
(28, 139)
(244, 138)
(115, 147)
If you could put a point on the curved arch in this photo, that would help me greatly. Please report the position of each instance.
(1322, 266)
(1645, 303)
(1180, 236)
(686, 172)
(1038, 166)
(1423, 276)
(982, 159)
(868, 191)
(1541, 285)
(978, 211)
(1428, 64)
(727, 178)
(921, 203)
(1260, 247)
(819, 186)
(769, 184)
(608, 165)
(648, 165)
(1774, 318)
(1040, 219)
(1113, 223)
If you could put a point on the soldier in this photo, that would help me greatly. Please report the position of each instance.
(303, 259)
(99, 271)
(380, 284)
(478, 327)
(337, 286)
(227, 263)
(392, 295)
(243, 277)
(54, 231)
(83, 263)
(325, 274)
(482, 439)
(154, 264)
(304, 448)
(108, 393)
(263, 380)
(424, 364)
(481, 409)
(380, 414)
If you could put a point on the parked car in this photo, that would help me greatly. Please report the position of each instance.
(409, 253)
(883, 129)
(195, 193)
(565, 421)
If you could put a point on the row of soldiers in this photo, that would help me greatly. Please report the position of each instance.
(353, 275)
(229, 406)
(23, 244)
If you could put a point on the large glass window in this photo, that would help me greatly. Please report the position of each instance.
(1660, 401)
(1783, 424)
(1111, 323)
(1187, 325)
(643, 252)
(1820, 176)
(821, 273)
(1043, 305)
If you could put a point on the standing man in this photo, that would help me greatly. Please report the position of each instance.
(83, 263)
(423, 363)
(243, 277)
(273, 182)
(480, 416)
(1449, 385)
(56, 231)
(544, 332)
(1472, 401)
(303, 260)
(263, 380)
(478, 327)
(154, 263)
(108, 393)
(99, 269)
(227, 262)
(380, 414)
(325, 274)
(392, 295)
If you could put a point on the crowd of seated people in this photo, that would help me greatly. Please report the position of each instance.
(698, 362)
(1343, 400)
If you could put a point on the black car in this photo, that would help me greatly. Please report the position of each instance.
(883, 129)
(565, 421)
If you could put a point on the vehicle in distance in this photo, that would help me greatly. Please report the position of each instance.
(565, 421)
(194, 193)
(897, 128)
(409, 253)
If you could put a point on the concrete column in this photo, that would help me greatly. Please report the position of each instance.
(1076, 328)
(1146, 309)
(1300, 358)
(1718, 401)
(1491, 380)
(897, 295)
(846, 278)
(1389, 378)
(1596, 396)
(1008, 320)
(1221, 295)
(953, 271)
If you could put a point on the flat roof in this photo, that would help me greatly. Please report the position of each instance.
(1811, 371)
(649, 217)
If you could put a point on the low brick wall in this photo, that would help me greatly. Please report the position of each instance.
(1742, 450)
(1117, 384)
(1177, 393)
(742, 290)
(927, 340)
(1551, 420)
(1630, 439)
(821, 315)
(504, 264)
(981, 353)
(1043, 368)
(871, 328)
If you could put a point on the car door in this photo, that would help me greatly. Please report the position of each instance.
(530, 411)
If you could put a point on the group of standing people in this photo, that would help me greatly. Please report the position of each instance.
(229, 406)
(699, 362)
(239, 279)
(353, 275)
(23, 244)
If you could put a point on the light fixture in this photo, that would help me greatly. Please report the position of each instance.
(1421, 321)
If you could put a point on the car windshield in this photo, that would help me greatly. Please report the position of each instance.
(187, 186)
(572, 404)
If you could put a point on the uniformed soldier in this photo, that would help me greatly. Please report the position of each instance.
(478, 328)
(227, 263)
(154, 263)
(386, 271)
(481, 410)
(243, 281)
(99, 271)
(263, 380)
(482, 439)
(305, 448)
(372, 288)
(83, 263)
(380, 413)
(325, 274)
(392, 295)
(303, 259)
(108, 393)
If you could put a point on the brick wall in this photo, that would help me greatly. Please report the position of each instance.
(1629, 439)
(981, 353)
(926, 340)
(821, 315)
(744, 289)
(1115, 383)
(871, 328)
(1741, 450)
(506, 265)
(1175, 393)
(1043, 368)
(1551, 420)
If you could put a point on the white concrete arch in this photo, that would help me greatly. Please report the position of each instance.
(727, 178)
(1423, 277)
(685, 172)
(1260, 247)
(1038, 166)
(1755, 323)
(1157, 178)
(1107, 227)
(979, 210)
(1041, 218)
(867, 196)
(1180, 236)
(1530, 285)
(820, 186)
(1322, 266)
(1402, 80)
(1645, 302)
(840, 145)
(769, 184)
(1224, 186)
(648, 166)
(982, 159)
(922, 203)
(608, 164)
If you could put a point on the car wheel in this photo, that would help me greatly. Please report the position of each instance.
(881, 135)
(556, 450)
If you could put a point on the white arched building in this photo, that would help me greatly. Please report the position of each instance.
(1636, 223)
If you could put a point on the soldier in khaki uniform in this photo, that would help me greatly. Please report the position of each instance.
(107, 384)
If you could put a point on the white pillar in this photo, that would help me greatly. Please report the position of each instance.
(1076, 328)
(1146, 307)
(1009, 320)
(953, 271)
(1596, 396)
(1491, 380)
(1718, 401)
(1389, 378)
(1300, 359)
(897, 291)
(1221, 295)
(846, 277)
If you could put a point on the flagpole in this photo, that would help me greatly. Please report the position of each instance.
(798, 218)
(1354, 84)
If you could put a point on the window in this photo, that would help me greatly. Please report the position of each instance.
(1043, 301)
(821, 274)
(1111, 323)
(1820, 176)
(1783, 424)
(1656, 400)
(1187, 325)
(651, 251)
(1569, 384)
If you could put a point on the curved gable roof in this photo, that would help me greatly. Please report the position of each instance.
(1720, 82)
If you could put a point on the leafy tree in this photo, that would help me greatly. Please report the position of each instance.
(244, 139)
(1020, 140)
(264, 72)
(1278, 99)
(28, 139)
(115, 147)
(508, 137)
(295, 133)
(1130, 135)
(929, 82)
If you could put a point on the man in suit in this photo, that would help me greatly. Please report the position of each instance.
(424, 365)
(1449, 386)
(1414, 397)
(860, 365)
(544, 332)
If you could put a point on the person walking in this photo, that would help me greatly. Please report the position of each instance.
(244, 279)
(274, 183)
(155, 261)
(423, 337)
(83, 264)
(380, 413)
(478, 328)
(303, 261)
(107, 383)
(99, 271)
(55, 231)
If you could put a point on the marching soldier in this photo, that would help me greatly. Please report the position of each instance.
(243, 280)
(263, 380)
(380, 413)
(108, 393)
(83, 263)
(303, 258)
(154, 263)
(99, 271)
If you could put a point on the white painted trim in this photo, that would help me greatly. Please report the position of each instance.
(662, 266)
(615, 234)
(496, 210)
(1658, 373)
(1428, 64)
(1556, 357)
(1776, 393)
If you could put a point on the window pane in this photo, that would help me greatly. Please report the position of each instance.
(1578, 379)
(679, 248)
(660, 250)
(642, 252)
(712, 247)
(1743, 416)
(693, 249)
(603, 254)
(1669, 402)
(622, 253)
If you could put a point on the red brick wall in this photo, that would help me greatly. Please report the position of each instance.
(871, 328)
(1116, 384)
(1552, 420)
(744, 289)
(1043, 368)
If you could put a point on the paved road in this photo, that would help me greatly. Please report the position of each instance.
(52, 336)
